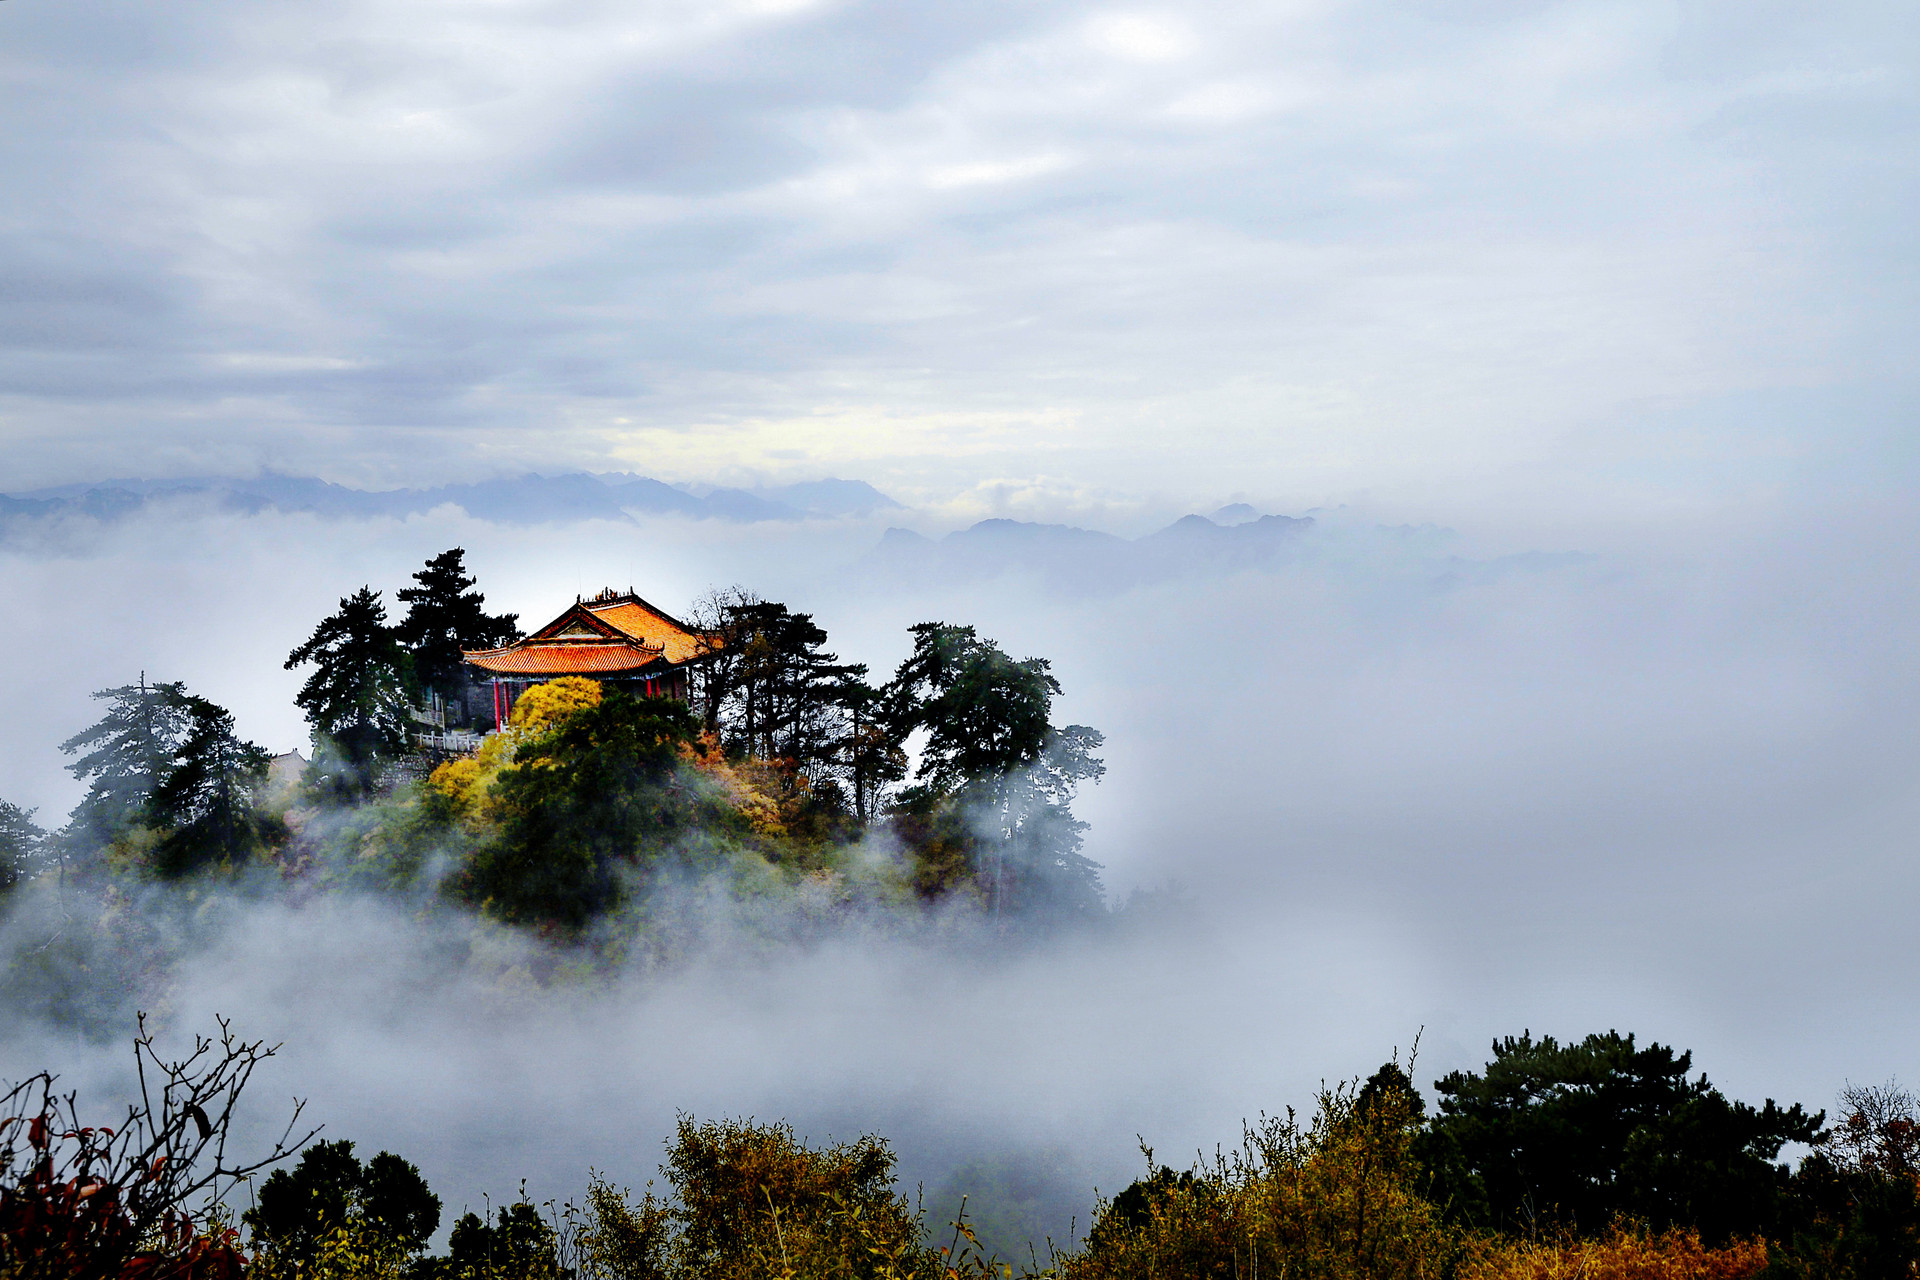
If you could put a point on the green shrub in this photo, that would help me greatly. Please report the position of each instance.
(1577, 1135)
(598, 793)
(1332, 1200)
(752, 1201)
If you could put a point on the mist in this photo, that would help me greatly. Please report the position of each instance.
(1401, 780)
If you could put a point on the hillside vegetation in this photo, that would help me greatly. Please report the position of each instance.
(1599, 1160)
(787, 783)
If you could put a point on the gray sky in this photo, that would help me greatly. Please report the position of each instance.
(1557, 258)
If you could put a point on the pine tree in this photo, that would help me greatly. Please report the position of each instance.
(20, 846)
(716, 677)
(356, 697)
(870, 751)
(1577, 1135)
(444, 617)
(383, 1202)
(985, 714)
(126, 754)
(206, 800)
(785, 689)
(769, 688)
(996, 778)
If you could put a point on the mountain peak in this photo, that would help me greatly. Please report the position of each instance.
(1235, 513)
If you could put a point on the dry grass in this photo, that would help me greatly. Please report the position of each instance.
(1623, 1254)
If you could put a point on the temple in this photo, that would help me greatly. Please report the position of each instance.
(614, 637)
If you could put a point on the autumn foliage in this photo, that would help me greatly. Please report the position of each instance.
(137, 1200)
(1624, 1253)
(63, 1213)
(1344, 1193)
(1336, 1197)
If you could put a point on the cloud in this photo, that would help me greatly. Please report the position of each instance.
(1142, 37)
(1334, 246)
(1619, 279)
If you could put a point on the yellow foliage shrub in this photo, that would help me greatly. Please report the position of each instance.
(545, 705)
(1623, 1254)
(465, 782)
(761, 792)
(352, 1252)
(1333, 1200)
(456, 780)
(754, 1202)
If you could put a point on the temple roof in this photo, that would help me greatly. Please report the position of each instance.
(635, 617)
(611, 634)
(565, 658)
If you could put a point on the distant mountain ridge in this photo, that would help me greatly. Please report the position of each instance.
(1068, 559)
(1238, 539)
(527, 499)
(1078, 560)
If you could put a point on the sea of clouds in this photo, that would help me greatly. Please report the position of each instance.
(1662, 780)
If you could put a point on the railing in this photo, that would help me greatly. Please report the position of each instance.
(453, 742)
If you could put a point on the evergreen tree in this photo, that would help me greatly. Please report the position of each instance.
(331, 1190)
(1030, 837)
(581, 803)
(768, 688)
(996, 781)
(715, 676)
(1576, 1135)
(20, 845)
(123, 757)
(444, 617)
(985, 714)
(206, 800)
(356, 697)
(869, 751)
(782, 699)
(520, 1245)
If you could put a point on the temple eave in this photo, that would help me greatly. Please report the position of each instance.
(540, 666)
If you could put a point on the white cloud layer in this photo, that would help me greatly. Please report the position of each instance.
(1665, 785)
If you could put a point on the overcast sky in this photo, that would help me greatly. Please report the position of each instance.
(1572, 257)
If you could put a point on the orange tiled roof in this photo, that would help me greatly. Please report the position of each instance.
(642, 621)
(608, 634)
(564, 658)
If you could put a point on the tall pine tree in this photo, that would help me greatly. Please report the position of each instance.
(123, 757)
(996, 778)
(20, 845)
(870, 752)
(356, 698)
(782, 704)
(445, 616)
(205, 803)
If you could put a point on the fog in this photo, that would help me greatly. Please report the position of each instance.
(1408, 780)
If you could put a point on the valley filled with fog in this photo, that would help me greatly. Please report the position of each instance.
(1371, 782)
